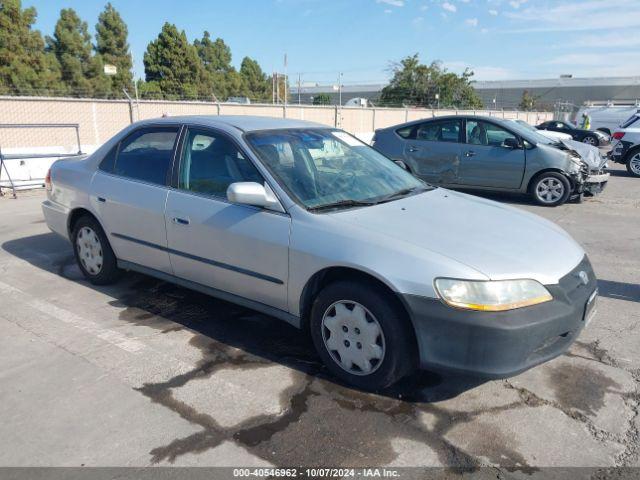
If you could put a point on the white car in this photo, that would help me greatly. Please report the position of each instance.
(626, 145)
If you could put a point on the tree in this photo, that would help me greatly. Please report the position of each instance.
(112, 46)
(322, 99)
(414, 83)
(527, 102)
(25, 68)
(71, 44)
(256, 85)
(172, 63)
(215, 55)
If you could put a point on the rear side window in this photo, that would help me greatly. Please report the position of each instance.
(144, 155)
(406, 132)
(443, 131)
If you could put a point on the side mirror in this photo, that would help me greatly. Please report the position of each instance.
(511, 143)
(252, 193)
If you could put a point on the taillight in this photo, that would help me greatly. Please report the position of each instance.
(47, 181)
(618, 135)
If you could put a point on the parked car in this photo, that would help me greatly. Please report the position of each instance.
(607, 118)
(486, 153)
(308, 224)
(590, 137)
(547, 133)
(626, 146)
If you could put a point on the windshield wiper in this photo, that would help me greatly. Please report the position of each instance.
(342, 204)
(400, 193)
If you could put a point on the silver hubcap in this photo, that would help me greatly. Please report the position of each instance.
(89, 250)
(634, 164)
(353, 337)
(589, 140)
(549, 190)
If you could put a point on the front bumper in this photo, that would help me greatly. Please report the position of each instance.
(595, 183)
(501, 344)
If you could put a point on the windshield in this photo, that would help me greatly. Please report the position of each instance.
(531, 133)
(323, 167)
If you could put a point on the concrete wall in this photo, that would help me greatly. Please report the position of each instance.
(101, 119)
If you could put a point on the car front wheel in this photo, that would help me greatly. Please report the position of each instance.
(591, 140)
(550, 189)
(362, 335)
(93, 253)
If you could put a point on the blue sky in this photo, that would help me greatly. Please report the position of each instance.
(498, 39)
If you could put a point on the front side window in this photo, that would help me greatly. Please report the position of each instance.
(146, 154)
(445, 131)
(487, 134)
(322, 167)
(211, 162)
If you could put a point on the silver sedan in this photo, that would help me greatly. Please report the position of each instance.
(308, 224)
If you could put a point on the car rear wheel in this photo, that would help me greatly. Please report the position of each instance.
(633, 163)
(591, 140)
(93, 253)
(361, 335)
(550, 189)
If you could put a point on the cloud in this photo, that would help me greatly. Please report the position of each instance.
(493, 12)
(516, 3)
(575, 15)
(388, 10)
(449, 7)
(417, 22)
(393, 3)
(484, 30)
(424, 8)
(624, 39)
(471, 22)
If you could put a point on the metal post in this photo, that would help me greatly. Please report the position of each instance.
(2, 164)
(340, 89)
(374, 119)
(299, 98)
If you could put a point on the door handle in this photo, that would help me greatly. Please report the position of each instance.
(470, 153)
(102, 199)
(181, 221)
(413, 149)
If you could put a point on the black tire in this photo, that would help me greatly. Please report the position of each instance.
(591, 140)
(552, 177)
(398, 349)
(108, 271)
(633, 155)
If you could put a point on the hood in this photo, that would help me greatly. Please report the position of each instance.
(588, 153)
(499, 241)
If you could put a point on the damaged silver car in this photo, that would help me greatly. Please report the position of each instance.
(491, 154)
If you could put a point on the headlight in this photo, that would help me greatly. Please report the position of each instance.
(491, 296)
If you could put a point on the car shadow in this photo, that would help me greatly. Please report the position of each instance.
(147, 302)
(619, 173)
(619, 290)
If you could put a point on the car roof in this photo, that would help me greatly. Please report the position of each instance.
(245, 123)
(448, 117)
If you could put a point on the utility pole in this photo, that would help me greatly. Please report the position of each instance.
(340, 88)
(277, 88)
(286, 79)
(299, 102)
